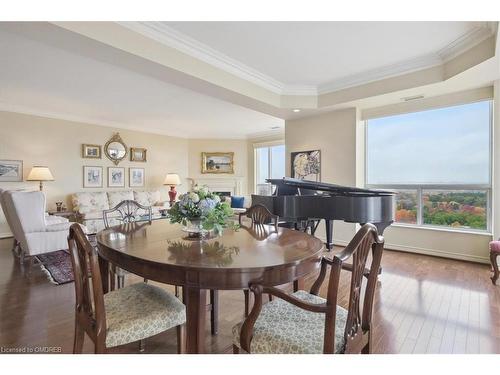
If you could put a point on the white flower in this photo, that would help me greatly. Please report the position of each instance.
(194, 197)
(216, 198)
(204, 189)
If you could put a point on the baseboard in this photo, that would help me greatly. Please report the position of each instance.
(5, 235)
(426, 251)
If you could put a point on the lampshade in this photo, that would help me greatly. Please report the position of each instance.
(39, 173)
(172, 179)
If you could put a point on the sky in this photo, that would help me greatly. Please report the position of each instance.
(441, 146)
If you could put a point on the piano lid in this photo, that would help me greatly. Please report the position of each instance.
(289, 185)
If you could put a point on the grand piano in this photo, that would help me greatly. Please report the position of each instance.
(303, 204)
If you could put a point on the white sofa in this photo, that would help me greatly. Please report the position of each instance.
(90, 205)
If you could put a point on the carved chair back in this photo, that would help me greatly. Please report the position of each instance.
(260, 215)
(90, 312)
(358, 326)
(129, 211)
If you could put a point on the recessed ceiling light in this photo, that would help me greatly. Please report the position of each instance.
(296, 110)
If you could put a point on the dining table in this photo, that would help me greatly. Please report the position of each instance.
(165, 253)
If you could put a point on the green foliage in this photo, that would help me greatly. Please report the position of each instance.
(201, 204)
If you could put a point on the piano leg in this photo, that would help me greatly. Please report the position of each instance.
(329, 234)
(314, 226)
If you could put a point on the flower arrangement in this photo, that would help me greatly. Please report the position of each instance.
(202, 207)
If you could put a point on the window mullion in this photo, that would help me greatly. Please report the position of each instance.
(420, 207)
(270, 162)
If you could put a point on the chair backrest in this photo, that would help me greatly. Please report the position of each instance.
(259, 214)
(359, 313)
(88, 286)
(129, 211)
(5, 210)
(26, 213)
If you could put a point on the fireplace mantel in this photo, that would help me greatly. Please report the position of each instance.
(227, 184)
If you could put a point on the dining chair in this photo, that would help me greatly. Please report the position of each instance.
(129, 211)
(259, 215)
(126, 211)
(122, 316)
(303, 322)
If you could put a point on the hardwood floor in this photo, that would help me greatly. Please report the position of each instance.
(423, 305)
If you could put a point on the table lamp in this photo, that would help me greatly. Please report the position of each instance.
(40, 173)
(172, 180)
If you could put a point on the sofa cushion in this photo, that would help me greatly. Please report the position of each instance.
(147, 198)
(115, 197)
(97, 215)
(87, 202)
(237, 202)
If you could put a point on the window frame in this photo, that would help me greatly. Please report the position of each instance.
(421, 187)
(268, 146)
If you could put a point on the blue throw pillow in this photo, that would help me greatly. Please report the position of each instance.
(237, 202)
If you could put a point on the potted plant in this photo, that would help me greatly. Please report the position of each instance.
(200, 211)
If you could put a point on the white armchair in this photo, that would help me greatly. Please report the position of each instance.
(48, 219)
(25, 214)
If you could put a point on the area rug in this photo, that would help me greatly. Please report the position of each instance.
(57, 266)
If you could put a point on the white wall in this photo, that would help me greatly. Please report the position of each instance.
(238, 146)
(57, 144)
(333, 133)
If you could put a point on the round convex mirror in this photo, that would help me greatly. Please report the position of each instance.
(115, 149)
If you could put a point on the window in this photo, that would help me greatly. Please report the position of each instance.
(269, 163)
(439, 162)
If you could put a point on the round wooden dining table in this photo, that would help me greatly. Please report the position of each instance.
(163, 252)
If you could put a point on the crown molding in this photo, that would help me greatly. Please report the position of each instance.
(175, 39)
(181, 42)
(467, 41)
(403, 67)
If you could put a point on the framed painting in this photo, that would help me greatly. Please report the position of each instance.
(217, 162)
(138, 154)
(92, 177)
(11, 170)
(91, 151)
(136, 177)
(306, 165)
(116, 177)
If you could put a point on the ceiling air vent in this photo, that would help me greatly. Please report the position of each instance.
(410, 98)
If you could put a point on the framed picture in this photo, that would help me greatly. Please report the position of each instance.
(116, 177)
(91, 151)
(11, 170)
(92, 177)
(136, 177)
(138, 154)
(306, 165)
(217, 162)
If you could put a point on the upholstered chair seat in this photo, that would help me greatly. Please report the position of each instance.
(139, 311)
(283, 328)
(495, 246)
